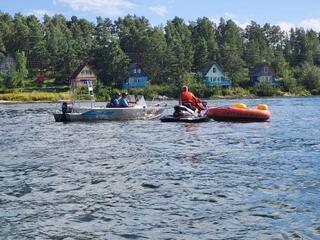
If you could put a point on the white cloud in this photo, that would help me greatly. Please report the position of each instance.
(227, 16)
(39, 13)
(286, 26)
(108, 7)
(240, 23)
(215, 20)
(159, 9)
(312, 23)
(230, 15)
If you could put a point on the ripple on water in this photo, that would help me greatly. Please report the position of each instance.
(150, 180)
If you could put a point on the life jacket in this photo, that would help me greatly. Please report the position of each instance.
(124, 102)
(114, 102)
(188, 97)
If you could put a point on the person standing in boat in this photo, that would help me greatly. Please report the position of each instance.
(189, 100)
(124, 101)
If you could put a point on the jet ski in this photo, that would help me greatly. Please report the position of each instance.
(184, 114)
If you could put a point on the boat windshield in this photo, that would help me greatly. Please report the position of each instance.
(140, 102)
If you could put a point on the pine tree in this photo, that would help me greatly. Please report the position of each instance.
(204, 42)
(231, 51)
(180, 51)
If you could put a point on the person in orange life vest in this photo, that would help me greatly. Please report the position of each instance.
(189, 100)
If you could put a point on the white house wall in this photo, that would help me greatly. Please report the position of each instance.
(214, 76)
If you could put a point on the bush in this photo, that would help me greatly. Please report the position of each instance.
(266, 90)
(299, 91)
(236, 92)
(309, 76)
(35, 96)
(315, 91)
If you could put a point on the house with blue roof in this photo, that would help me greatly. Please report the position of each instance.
(137, 77)
(262, 73)
(213, 75)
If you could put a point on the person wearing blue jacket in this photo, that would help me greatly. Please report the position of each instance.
(115, 100)
(124, 101)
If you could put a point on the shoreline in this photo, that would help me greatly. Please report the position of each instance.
(22, 102)
(171, 99)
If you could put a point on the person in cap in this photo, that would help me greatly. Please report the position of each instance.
(123, 100)
(189, 100)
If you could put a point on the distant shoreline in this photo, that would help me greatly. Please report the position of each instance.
(171, 99)
(22, 102)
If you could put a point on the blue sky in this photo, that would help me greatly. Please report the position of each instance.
(286, 13)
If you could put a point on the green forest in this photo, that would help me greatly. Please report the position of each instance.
(171, 54)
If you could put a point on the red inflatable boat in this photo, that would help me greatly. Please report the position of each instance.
(239, 113)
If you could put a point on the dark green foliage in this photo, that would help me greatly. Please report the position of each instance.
(107, 57)
(231, 52)
(180, 49)
(171, 55)
(204, 42)
(309, 77)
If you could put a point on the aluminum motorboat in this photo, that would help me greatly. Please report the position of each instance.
(89, 110)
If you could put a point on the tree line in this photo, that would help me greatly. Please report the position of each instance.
(167, 53)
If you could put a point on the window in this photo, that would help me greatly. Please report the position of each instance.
(214, 69)
(138, 70)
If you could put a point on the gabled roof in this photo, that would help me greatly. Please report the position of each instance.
(133, 66)
(258, 70)
(77, 71)
(205, 69)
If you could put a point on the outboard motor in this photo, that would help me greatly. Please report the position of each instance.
(64, 107)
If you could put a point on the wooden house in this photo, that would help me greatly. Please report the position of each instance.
(262, 73)
(137, 78)
(79, 77)
(7, 65)
(213, 75)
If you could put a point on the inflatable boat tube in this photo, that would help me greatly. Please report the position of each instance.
(234, 114)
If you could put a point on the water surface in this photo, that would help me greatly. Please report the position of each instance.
(153, 180)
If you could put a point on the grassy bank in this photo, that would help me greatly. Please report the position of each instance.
(154, 91)
(35, 96)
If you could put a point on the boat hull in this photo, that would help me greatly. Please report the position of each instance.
(238, 114)
(170, 118)
(109, 114)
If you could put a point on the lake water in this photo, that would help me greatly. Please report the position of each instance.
(153, 180)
